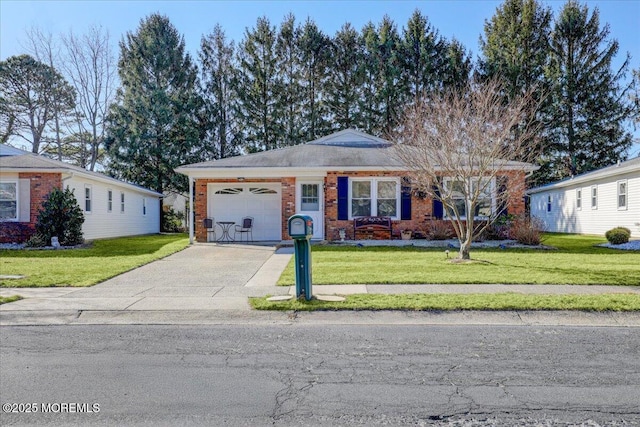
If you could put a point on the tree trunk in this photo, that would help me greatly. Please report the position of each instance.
(465, 249)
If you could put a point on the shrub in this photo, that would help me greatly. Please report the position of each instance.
(500, 229)
(618, 235)
(527, 231)
(60, 216)
(172, 221)
(438, 230)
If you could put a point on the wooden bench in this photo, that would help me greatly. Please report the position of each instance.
(371, 223)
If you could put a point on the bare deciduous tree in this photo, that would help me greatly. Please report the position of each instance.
(90, 65)
(458, 148)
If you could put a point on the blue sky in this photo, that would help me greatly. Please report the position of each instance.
(462, 19)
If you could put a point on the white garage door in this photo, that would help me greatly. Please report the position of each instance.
(232, 202)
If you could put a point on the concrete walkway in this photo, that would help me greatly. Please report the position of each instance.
(207, 282)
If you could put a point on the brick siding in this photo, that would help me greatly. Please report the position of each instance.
(41, 186)
(421, 208)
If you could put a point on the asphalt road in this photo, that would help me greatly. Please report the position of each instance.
(262, 375)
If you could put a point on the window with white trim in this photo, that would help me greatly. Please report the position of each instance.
(485, 203)
(144, 206)
(109, 201)
(87, 198)
(374, 197)
(549, 203)
(121, 202)
(594, 197)
(8, 201)
(579, 199)
(622, 194)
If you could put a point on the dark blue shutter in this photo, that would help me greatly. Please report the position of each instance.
(343, 197)
(405, 199)
(437, 210)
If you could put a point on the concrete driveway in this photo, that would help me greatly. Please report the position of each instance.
(201, 277)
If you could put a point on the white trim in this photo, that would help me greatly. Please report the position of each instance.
(109, 202)
(592, 198)
(579, 199)
(318, 228)
(122, 202)
(17, 184)
(213, 172)
(630, 166)
(626, 194)
(374, 193)
(90, 199)
(144, 206)
(549, 203)
(494, 204)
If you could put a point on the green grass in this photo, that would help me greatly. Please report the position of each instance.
(85, 267)
(6, 300)
(490, 302)
(576, 261)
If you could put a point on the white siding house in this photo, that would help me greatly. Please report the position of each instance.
(592, 203)
(112, 208)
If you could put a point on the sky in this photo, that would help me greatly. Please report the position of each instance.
(462, 19)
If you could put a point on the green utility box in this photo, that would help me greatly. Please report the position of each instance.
(301, 229)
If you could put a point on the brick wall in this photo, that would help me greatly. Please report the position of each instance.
(41, 185)
(421, 208)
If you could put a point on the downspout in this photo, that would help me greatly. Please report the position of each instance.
(191, 217)
(69, 177)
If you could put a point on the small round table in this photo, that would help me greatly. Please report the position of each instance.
(226, 226)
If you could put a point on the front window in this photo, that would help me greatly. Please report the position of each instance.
(594, 197)
(579, 199)
(144, 206)
(121, 202)
(310, 200)
(8, 201)
(622, 195)
(549, 203)
(87, 198)
(374, 197)
(109, 201)
(461, 192)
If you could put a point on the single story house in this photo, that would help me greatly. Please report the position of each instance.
(592, 203)
(112, 208)
(334, 179)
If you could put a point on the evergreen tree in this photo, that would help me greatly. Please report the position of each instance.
(345, 79)
(153, 127)
(590, 105)
(289, 92)
(314, 50)
(60, 216)
(369, 105)
(515, 49)
(218, 78)
(257, 85)
(424, 56)
(457, 67)
(390, 88)
(515, 46)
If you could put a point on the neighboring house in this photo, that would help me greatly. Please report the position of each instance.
(177, 202)
(333, 179)
(112, 208)
(592, 203)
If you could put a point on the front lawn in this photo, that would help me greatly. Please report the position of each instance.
(88, 266)
(422, 302)
(576, 261)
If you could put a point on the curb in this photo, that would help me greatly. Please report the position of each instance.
(364, 317)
